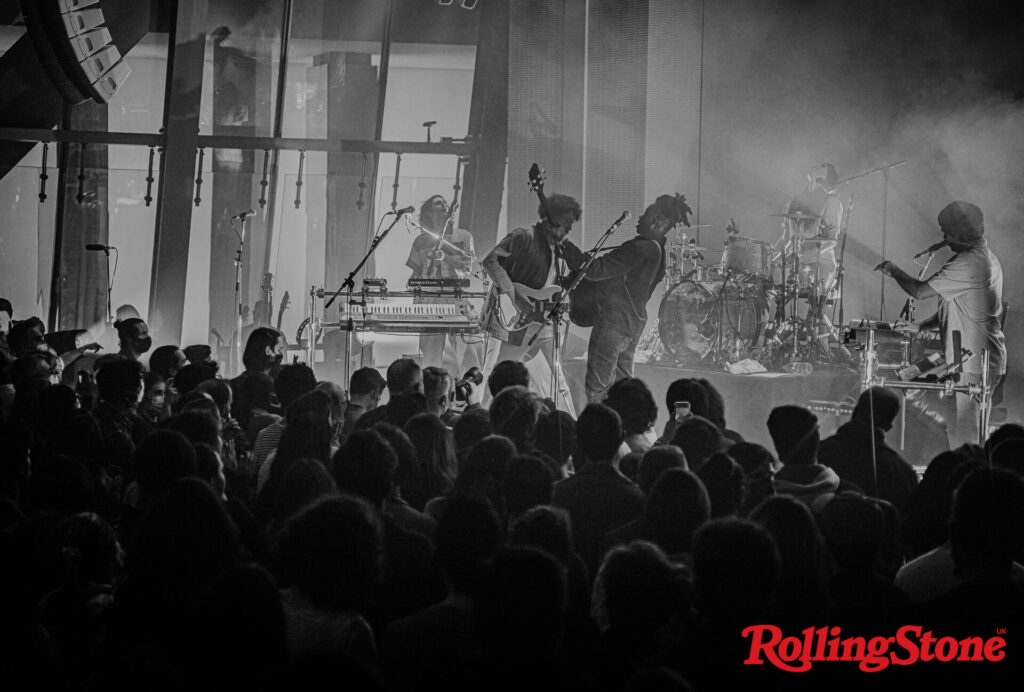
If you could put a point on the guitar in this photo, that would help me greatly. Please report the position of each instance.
(532, 305)
(285, 302)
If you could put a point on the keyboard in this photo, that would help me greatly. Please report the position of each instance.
(458, 317)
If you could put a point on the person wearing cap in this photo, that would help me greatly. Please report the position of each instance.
(970, 291)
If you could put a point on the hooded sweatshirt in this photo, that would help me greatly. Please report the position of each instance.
(812, 484)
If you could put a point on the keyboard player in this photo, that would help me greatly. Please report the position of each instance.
(442, 250)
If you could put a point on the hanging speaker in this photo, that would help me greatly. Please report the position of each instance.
(76, 48)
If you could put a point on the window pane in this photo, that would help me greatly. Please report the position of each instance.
(26, 245)
(243, 47)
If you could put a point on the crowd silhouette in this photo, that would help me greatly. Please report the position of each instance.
(164, 528)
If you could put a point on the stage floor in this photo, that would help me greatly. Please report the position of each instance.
(750, 398)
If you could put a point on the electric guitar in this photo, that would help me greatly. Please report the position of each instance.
(532, 307)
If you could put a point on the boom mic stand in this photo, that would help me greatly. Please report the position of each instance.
(347, 285)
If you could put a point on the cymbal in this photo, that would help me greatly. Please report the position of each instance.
(818, 239)
(797, 216)
(695, 248)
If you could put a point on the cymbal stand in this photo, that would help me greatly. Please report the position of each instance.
(718, 307)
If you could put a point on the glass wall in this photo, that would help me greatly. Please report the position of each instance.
(26, 241)
(316, 211)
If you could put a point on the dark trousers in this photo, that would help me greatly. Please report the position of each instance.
(609, 357)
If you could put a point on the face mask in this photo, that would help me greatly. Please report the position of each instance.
(142, 345)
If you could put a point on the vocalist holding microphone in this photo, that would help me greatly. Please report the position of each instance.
(969, 287)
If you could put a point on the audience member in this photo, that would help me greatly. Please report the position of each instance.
(676, 507)
(365, 388)
(436, 467)
(404, 379)
(264, 349)
(507, 373)
(699, 439)
(421, 651)
(632, 400)
(656, 461)
(598, 498)
(330, 562)
(859, 455)
(471, 427)
(794, 432)
(529, 482)
(802, 598)
(555, 437)
(723, 479)
(514, 413)
(758, 466)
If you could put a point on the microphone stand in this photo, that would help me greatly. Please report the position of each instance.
(556, 309)
(908, 307)
(885, 169)
(237, 351)
(110, 285)
(347, 285)
(555, 314)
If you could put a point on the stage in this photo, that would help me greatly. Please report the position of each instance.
(750, 398)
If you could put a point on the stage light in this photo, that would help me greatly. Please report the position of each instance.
(468, 4)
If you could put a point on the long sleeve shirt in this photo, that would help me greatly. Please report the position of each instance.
(629, 275)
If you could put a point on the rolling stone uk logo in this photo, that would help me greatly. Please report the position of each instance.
(797, 654)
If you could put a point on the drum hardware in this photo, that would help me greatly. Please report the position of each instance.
(796, 216)
(947, 385)
(702, 320)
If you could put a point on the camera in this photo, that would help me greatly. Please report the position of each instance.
(474, 375)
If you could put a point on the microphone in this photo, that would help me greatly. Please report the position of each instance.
(405, 210)
(618, 221)
(931, 249)
(98, 247)
(242, 215)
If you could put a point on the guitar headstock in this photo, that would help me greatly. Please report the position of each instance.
(285, 301)
(536, 179)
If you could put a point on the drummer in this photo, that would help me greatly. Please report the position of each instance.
(814, 215)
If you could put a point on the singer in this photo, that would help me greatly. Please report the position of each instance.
(969, 287)
(627, 277)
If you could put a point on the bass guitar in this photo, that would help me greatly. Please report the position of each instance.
(532, 306)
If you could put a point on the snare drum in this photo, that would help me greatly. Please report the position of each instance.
(746, 256)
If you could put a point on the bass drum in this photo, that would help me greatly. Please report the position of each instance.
(689, 319)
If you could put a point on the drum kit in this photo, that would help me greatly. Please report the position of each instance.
(756, 302)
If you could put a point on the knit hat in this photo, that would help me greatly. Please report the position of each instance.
(963, 221)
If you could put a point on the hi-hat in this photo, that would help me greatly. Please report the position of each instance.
(797, 216)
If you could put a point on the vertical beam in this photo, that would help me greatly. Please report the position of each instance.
(83, 275)
(174, 204)
(574, 110)
(484, 177)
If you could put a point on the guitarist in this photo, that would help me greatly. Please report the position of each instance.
(627, 277)
(529, 256)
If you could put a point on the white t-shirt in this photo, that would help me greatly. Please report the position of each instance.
(970, 288)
